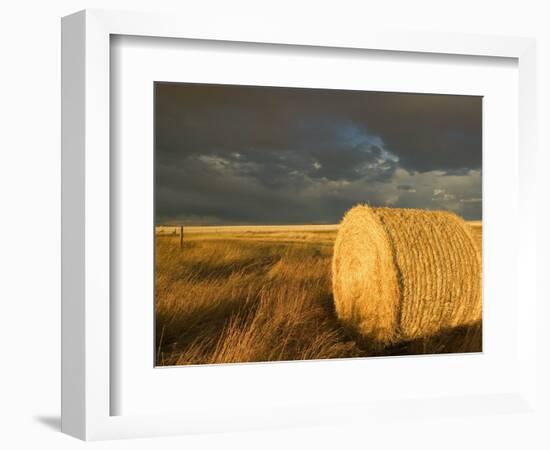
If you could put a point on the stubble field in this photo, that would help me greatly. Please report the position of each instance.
(245, 294)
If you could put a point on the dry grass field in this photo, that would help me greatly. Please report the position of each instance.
(243, 294)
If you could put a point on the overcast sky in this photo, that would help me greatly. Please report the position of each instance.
(259, 155)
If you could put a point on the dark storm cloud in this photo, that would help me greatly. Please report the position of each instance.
(405, 187)
(237, 154)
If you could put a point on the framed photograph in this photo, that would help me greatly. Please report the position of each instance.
(267, 228)
(300, 223)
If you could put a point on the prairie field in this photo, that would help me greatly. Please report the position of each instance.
(263, 293)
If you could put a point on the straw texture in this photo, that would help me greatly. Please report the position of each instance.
(403, 274)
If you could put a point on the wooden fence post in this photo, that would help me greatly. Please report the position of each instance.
(181, 236)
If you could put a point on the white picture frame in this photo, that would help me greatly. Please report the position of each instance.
(86, 224)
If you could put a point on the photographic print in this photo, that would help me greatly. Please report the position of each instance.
(299, 224)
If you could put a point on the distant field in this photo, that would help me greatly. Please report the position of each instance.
(246, 229)
(238, 229)
(284, 233)
(256, 293)
(477, 231)
(288, 233)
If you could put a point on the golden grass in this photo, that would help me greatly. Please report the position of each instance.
(404, 274)
(476, 229)
(248, 229)
(258, 294)
(236, 300)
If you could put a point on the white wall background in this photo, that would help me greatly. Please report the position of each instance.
(30, 200)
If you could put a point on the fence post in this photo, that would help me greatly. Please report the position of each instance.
(181, 236)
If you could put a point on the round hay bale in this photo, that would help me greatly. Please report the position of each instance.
(404, 274)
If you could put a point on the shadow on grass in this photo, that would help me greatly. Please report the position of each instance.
(461, 339)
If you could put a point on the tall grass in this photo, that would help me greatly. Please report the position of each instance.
(259, 296)
(239, 300)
